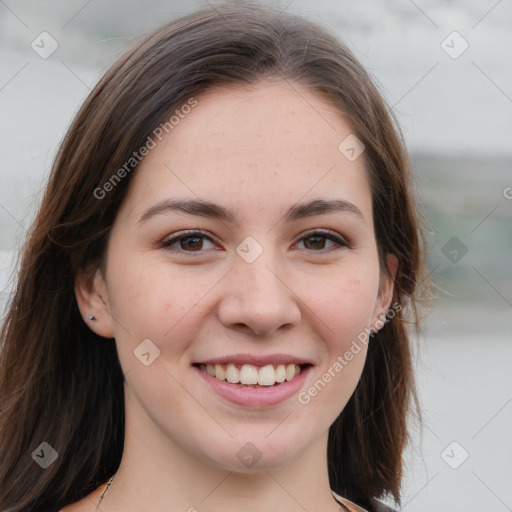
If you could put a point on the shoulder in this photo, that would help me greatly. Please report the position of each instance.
(352, 506)
(376, 505)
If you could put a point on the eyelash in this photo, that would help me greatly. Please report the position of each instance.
(197, 233)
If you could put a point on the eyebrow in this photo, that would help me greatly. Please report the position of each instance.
(215, 211)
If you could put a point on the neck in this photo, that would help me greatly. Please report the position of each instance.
(156, 474)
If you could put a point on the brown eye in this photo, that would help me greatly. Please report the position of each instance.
(192, 241)
(316, 241)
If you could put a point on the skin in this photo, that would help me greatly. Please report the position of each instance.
(258, 150)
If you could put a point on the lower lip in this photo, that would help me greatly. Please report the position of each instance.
(255, 397)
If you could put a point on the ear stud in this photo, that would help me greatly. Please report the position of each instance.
(92, 317)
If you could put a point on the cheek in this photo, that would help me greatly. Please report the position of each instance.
(343, 307)
(344, 302)
(148, 302)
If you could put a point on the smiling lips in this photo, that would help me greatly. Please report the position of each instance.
(255, 381)
(252, 375)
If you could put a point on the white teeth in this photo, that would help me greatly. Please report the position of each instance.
(290, 372)
(281, 373)
(267, 376)
(248, 374)
(251, 375)
(232, 374)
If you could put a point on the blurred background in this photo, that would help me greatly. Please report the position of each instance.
(445, 68)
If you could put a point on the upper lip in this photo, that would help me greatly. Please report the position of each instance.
(256, 360)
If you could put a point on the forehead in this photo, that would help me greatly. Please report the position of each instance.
(268, 142)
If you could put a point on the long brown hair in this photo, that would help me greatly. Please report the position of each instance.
(62, 384)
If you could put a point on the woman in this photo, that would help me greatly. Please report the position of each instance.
(212, 302)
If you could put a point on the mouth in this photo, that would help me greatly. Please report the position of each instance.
(254, 382)
(251, 375)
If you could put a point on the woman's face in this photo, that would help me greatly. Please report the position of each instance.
(256, 170)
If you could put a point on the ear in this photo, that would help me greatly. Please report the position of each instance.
(91, 295)
(385, 295)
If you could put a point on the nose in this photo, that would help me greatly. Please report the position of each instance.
(258, 299)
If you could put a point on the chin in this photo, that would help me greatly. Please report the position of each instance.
(257, 453)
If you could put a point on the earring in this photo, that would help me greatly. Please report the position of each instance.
(92, 317)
